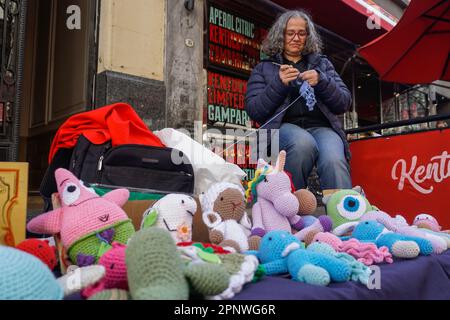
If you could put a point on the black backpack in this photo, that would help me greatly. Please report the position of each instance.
(131, 166)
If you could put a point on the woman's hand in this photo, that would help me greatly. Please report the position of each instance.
(288, 73)
(312, 76)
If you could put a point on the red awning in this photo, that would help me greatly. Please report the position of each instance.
(417, 50)
(347, 18)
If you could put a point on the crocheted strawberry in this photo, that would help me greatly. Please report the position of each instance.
(40, 249)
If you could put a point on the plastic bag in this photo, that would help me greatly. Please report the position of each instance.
(208, 167)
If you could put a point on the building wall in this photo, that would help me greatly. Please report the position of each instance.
(132, 37)
(131, 57)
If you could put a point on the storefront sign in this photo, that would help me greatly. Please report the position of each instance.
(407, 175)
(226, 100)
(232, 49)
(234, 42)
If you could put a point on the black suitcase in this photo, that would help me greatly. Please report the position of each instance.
(129, 165)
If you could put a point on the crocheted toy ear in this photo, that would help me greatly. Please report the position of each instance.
(211, 219)
(149, 218)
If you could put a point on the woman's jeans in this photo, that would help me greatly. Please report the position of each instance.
(319, 146)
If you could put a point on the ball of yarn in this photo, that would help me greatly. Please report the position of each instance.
(307, 200)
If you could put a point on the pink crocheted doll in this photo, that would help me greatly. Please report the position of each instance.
(88, 224)
(116, 271)
(427, 221)
(367, 253)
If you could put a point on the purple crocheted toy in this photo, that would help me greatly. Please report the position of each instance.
(275, 206)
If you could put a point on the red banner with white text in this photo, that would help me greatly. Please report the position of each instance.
(407, 174)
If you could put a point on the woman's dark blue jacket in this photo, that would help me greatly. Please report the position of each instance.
(266, 95)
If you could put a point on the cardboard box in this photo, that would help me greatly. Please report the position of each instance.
(13, 201)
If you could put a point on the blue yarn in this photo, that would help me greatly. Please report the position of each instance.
(307, 93)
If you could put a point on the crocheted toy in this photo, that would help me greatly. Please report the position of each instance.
(400, 246)
(281, 252)
(443, 235)
(40, 249)
(88, 224)
(275, 206)
(174, 213)
(223, 207)
(366, 253)
(307, 202)
(359, 272)
(116, 276)
(241, 268)
(25, 277)
(400, 226)
(345, 208)
(156, 270)
(209, 247)
(426, 221)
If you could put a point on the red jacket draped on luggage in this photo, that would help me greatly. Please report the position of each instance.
(117, 122)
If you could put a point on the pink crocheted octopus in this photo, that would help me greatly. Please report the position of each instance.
(116, 271)
(366, 253)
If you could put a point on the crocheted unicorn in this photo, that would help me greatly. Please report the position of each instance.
(88, 224)
(275, 206)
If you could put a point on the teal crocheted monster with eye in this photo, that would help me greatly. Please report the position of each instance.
(345, 208)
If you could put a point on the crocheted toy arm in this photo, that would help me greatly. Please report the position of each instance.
(118, 196)
(215, 236)
(46, 223)
(257, 217)
(275, 267)
(296, 222)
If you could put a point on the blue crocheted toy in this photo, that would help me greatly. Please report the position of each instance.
(281, 252)
(399, 245)
(25, 277)
(360, 272)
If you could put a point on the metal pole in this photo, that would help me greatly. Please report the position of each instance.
(19, 69)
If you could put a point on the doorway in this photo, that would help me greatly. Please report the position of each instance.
(59, 75)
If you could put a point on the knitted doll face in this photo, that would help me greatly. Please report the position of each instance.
(175, 213)
(277, 245)
(346, 206)
(427, 222)
(72, 191)
(230, 204)
(367, 230)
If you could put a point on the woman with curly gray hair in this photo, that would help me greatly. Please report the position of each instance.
(311, 133)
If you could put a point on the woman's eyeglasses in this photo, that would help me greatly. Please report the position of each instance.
(290, 35)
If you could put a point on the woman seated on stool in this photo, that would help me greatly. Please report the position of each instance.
(311, 133)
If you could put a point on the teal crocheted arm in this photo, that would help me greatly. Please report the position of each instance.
(275, 267)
